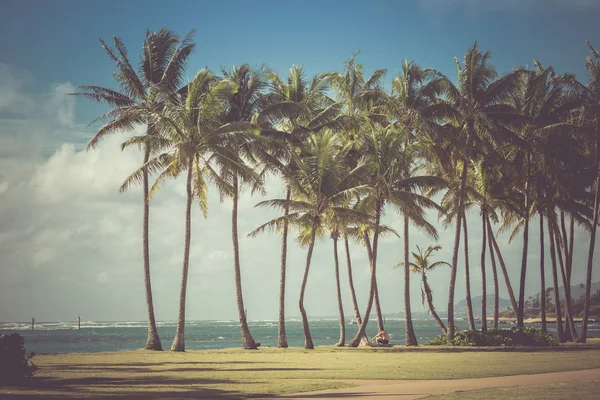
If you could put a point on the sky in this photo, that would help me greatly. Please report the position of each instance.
(71, 244)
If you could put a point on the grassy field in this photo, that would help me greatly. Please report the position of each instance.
(235, 373)
(554, 391)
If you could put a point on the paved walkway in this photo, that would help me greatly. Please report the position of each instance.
(409, 390)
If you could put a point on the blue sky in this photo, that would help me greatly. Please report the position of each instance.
(65, 232)
(57, 41)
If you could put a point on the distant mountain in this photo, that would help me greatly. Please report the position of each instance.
(461, 306)
(576, 291)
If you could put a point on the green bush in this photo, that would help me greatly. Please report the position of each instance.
(515, 336)
(15, 365)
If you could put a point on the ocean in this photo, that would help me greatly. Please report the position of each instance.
(102, 336)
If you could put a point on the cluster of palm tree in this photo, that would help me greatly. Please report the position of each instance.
(347, 150)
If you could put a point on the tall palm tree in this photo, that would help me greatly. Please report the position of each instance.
(162, 65)
(592, 118)
(241, 109)
(361, 100)
(421, 265)
(540, 97)
(479, 113)
(320, 182)
(391, 182)
(291, 110)
(414, 93)
(196, 140)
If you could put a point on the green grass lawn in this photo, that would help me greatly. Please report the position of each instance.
(586, 390)
(236, 373)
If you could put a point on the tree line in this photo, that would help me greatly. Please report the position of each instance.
(347, 150)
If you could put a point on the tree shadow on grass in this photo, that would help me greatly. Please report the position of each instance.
(472, 349)
(126, 387)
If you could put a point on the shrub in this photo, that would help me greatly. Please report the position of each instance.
(437, 341)
(15, 365)
(515, 336)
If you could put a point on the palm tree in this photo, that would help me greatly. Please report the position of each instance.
(414, 93)
(195, 141)
(242, 107)
(361, 100)
(591, 116)
(320, 182)
(478, 111)
(162, 65)
(541, 98)
(291, 110)
(421, 265)
(391, 182)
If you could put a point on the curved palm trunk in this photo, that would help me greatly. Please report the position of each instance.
(588, 278)
(559, 328)
(363, 326)
(494, 274)
(511, 294)
(569, 329)
(454, 265)
(410, 338)
(351, 282)
(483, 282)
(429, 297)
(342, 340)
(308, 343)
(248, 342)
(470, 318)
(566, 271)
(379, 315)
(542, 273)
(179, 340)
(281, 336)
(521, 310)
(571, 242)
(153, 341)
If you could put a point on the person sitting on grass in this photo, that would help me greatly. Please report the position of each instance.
(381, 338)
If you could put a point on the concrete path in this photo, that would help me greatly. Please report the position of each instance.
(409, 390)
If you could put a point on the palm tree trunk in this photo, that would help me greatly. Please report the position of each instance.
(570, 331)
(351, 282)
(363, 326)
(569, 322)
(308, 343)
(494, 274)
(470, 318)
(410, 338)
(379, 315)
(454, 265)
(281, 336)
(179, 340)
(153, 341)
(429, 297)
(559, 328)
(571, 242)
(483, 282)
(511, 294)
(342, 340)
(542, 273)
(521, 310)
(248, 342)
